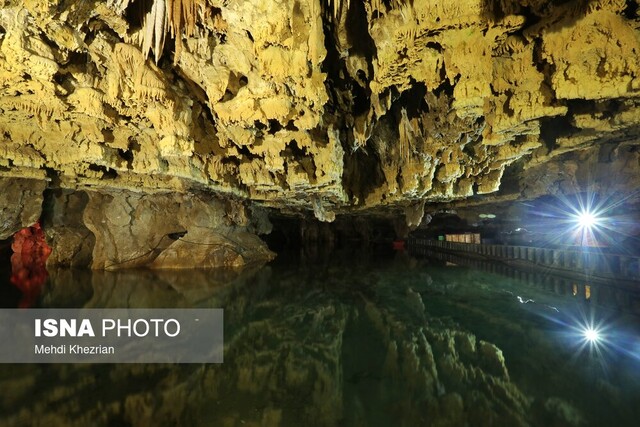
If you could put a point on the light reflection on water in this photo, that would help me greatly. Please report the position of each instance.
(353, 339)
(541, 320)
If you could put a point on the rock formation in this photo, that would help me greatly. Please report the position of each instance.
(305, 106)
(122, 229)
(28, 263)
(20, 204)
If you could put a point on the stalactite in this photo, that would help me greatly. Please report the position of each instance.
(34, 105)
(183, 15)
(512, 44)
(613, 5)
(337, 8)
(154, 29)
(406, 132)
(119, 6)
(376, 5)
(160, 27)
(179, 17)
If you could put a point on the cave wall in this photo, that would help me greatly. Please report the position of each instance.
(20, 204)
(119, 229)
(71, 240)
(311, 106)
(114, 229)
(170, 231)
(610, 171)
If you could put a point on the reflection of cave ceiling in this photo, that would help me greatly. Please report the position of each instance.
(303, 104)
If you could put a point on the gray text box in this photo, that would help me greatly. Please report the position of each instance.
(111, 335)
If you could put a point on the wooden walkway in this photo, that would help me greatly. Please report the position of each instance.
(590, 263)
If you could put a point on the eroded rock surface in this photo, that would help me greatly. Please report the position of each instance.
(170, 231)
(71, 240)
(20, 204)
(610, 170)
(309, 105)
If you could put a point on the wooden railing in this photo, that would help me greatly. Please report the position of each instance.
(588, 262)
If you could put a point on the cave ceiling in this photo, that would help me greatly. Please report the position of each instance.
(321, 106)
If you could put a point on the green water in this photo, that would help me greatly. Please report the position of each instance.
(353, 339)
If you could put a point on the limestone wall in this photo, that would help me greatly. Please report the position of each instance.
(309, 105)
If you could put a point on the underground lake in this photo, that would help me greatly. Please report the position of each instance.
(370, 337)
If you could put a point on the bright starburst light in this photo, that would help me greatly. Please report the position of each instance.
(588, 337)
(591, 334)
(587, 219)
(584, 219)
(585, 222)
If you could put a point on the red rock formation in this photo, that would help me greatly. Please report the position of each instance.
(30, 253)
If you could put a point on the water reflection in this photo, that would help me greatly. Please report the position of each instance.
(146, 288)
(28, 271)
(611, 294)
(345, 340)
